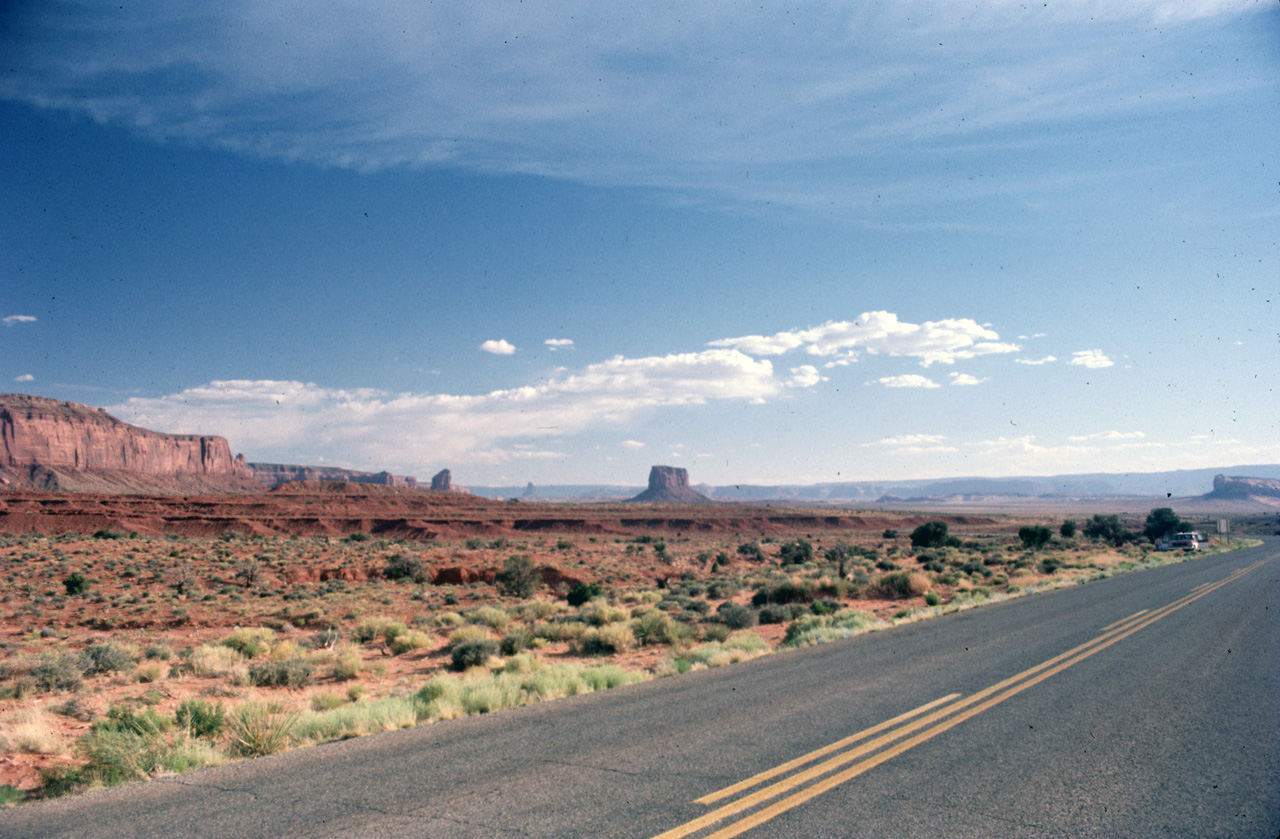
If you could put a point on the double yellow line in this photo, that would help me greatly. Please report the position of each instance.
(938, 716)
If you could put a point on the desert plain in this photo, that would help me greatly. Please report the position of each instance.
(146, 635)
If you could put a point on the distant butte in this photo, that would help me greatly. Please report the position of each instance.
(670, 485)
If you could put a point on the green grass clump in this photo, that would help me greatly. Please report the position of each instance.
(818, 629)
(261, 729)
(250, 642)
(355, 719)
(411, 639)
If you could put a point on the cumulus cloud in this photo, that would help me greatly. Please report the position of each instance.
(1109, 435)
(965, 380)
(880, 333)
(417, 430)
(632, 444)
(1090, 358)
(499, 347)
(25, 377)
(908, 380)
(1035, 362)
(554, 344)
(806, 375)
(10, 320)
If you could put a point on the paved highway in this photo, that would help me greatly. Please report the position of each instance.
(1144, 705)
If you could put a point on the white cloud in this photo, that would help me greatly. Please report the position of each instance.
(909, 440)
(417, 431)
(908, 380)
(1109, 435)
(880, 333)
(10, 320)
(1090, 358)
(554, 344)
(632, 444)
(25, 377)
(965, 380)
(499, 347)
(806, 375)
(1048, 359)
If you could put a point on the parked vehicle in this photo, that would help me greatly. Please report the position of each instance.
(1181, 542)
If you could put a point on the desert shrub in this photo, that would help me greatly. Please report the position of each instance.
(1050, 565)
(56, 672)
(932, 598)
(261, 729)
(599, 614)
(737, 616)
(649, 627)
(210, 660)
(284, 673)
(975, 567)
(472, 653)
(76, 583)
(467, 634)
(606, 640)
(817, 629)
(1068, 529)
(347, 663)
(1108, 529)
(372, 628)
(889, 534)
(106, 658)
(200, 718)
(515, 641)
(825, 606)
(787, 591)
(147, 721)
(412, 639)
(931, 534)
(148, 673)
(780, 612)
(583, 592)
(490, 616)
(158, 651)
(106, 533)
(519, 576)
(751, 550)
(723, 589)
(796, 553)
(475, 543)
(887, 565)
(1034, 537)
(402, 567)
(901, 584)
(250, 641)
(342, 720)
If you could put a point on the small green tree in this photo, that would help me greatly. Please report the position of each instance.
(796, 553)
(931, 534)
(1107, 529)
(1161, 522)
(1068, 529)
(1034, 537)
(519, 577)
(76, 583)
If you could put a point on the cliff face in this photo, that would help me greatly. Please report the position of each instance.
(52, 443)
(1225, 486)
(670, 485)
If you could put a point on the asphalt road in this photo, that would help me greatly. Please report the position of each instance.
(1144, 705)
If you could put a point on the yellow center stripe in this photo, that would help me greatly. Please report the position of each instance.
(993, 695)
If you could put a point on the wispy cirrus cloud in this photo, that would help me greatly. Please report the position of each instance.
(11, 320)
(554, 344)
(1108, 436)
(572, 89)
(1035, 362)
(907, 380)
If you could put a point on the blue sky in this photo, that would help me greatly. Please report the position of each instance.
(559, 242)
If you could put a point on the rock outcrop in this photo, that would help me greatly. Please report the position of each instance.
(442, 481)
(274, 474)
(670, 485)
(1245, 489)
(52, 445)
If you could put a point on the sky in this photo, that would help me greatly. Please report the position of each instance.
(559, 242)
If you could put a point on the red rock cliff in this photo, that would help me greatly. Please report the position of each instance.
(71, 439)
